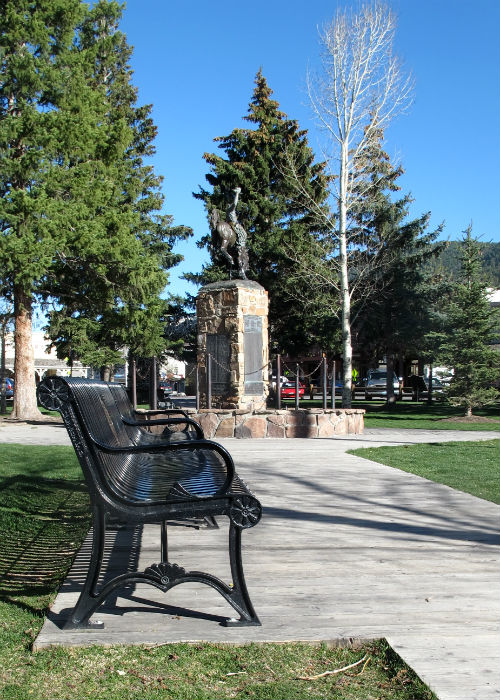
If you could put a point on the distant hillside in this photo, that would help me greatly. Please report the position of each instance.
(449, 262)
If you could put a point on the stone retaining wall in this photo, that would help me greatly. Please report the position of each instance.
(304, 423)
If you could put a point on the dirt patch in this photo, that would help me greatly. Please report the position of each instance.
(468, 419)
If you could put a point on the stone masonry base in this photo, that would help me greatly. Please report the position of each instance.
(304, 423)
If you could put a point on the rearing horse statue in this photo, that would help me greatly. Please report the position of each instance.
(231, 234)
(226, 234)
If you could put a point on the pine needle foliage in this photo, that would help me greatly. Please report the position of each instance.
(393, 318)
(109, 296)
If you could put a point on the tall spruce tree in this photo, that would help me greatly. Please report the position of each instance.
(109, 298)
(72, 208)
(466, 344)
(393, 319)
(269, 210)
(43, 116)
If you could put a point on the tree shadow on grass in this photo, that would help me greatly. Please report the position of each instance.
(43, 523)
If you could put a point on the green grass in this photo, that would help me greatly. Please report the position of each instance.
(420, 416)
(472, 467)
(44, 516)
(208, 671)
(43, 411)
(416, 415)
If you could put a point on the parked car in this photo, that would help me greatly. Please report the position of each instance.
(438, 386)
(288, 390)
(339, 386)
(9, 388)
(317, 385)
(283, 380)
(376, 383)
(164, 387)
(164, 392)
(420, 386)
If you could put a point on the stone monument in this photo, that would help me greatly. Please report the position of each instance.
(233, 329)
(232, 325)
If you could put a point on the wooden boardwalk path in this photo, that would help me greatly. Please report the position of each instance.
(347, 549)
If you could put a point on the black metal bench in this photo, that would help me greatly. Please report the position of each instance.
(134, 479)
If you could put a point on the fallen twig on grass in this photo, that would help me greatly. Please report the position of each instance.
(365, 659)
(365, 665)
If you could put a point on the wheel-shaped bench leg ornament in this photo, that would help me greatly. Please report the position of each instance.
(53, 393)
(245, 512)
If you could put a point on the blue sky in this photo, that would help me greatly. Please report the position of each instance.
(196, 63)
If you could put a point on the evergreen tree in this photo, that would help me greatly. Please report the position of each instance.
(76, 201)
(448, 262)
(275, 219)
(43, 115)
(110, 296)
(393, 319)
(467, 344)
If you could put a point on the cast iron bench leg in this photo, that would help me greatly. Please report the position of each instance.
(86, 603)
(240, 598)
(237, 595)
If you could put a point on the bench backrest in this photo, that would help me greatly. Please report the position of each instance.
(128, 413)
(122, 400)
(100, 413)
(95, 426)
(92, 419)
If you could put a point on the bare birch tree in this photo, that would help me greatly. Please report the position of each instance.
(360, 88)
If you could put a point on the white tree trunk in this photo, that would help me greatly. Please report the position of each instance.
(25, 403)
(360, 90)
(391, 396)
(344, 279)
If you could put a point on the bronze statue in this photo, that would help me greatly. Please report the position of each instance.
(231, 232)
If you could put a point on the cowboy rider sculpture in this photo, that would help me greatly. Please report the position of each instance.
(231, 232)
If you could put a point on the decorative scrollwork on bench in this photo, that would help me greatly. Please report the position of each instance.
(165, 573)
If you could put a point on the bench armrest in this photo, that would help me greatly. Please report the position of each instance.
(161, 412)
(167, 421)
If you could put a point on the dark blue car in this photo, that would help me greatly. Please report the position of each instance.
(9, 387)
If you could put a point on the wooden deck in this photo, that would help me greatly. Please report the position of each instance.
(347, 549)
